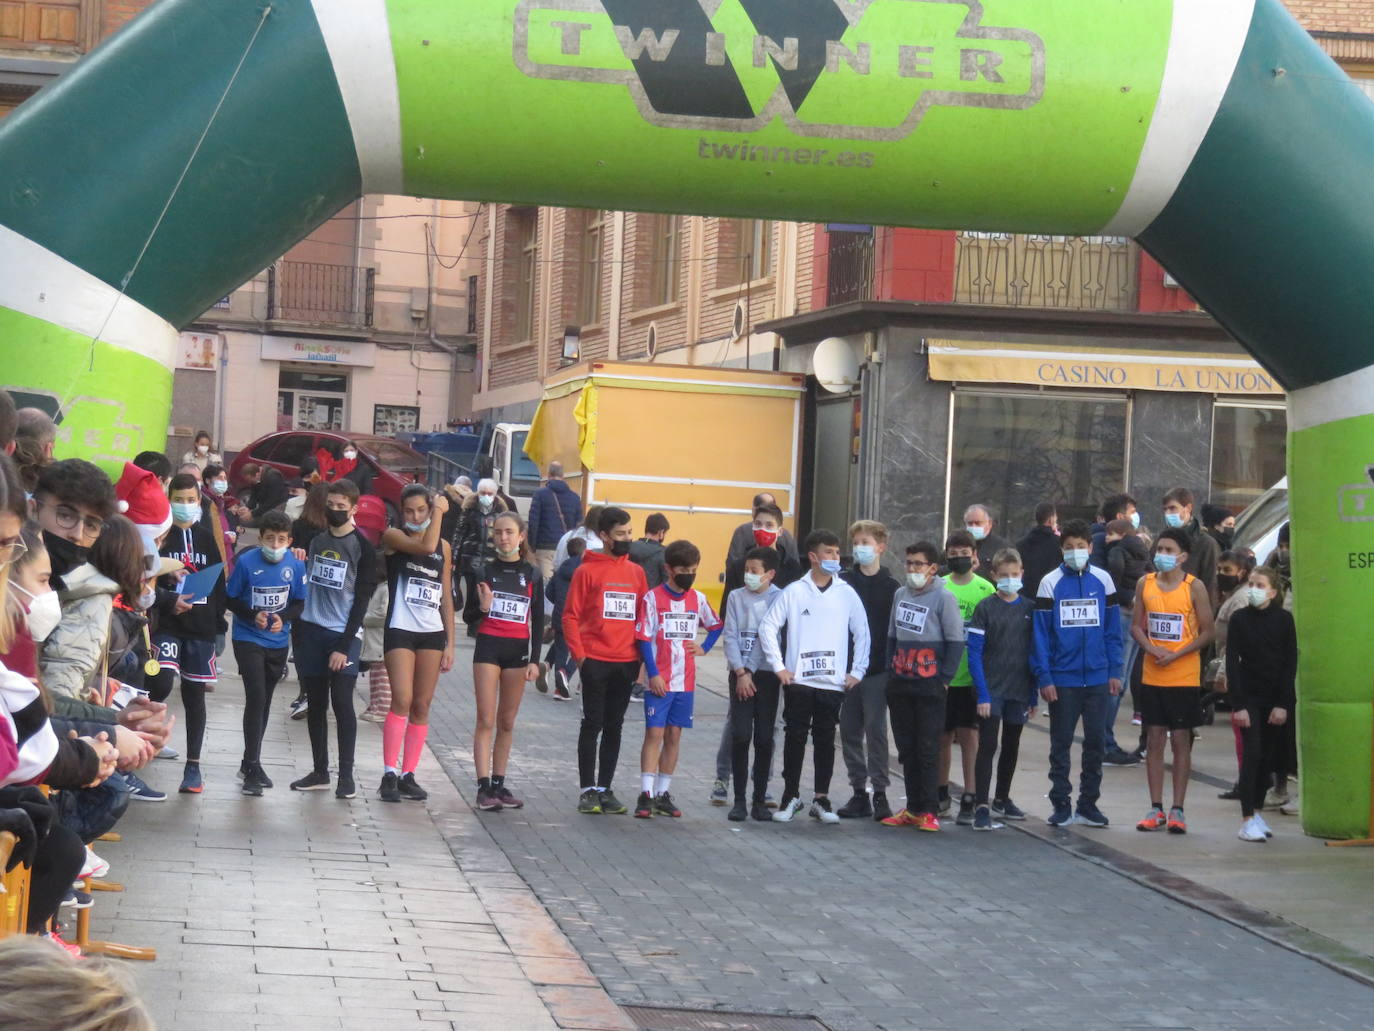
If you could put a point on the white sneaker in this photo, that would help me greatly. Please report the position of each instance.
(820, 810)
(785, 813)
(94, 866)
(1250, 830)
(1273, 800)
(1260, 822)
(1289, 808)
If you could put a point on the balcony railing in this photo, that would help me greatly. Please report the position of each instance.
(851, 268)
(1093, 273)
(307, 291)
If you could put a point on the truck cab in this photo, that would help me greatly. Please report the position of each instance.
(511, 468)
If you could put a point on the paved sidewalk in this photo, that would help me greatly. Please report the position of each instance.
(869, 927)
(296, 911)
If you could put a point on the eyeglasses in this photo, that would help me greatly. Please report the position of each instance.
(69, 518)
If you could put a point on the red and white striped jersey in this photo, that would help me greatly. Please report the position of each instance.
(671, 622)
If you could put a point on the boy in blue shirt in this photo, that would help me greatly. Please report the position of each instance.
(265, 593)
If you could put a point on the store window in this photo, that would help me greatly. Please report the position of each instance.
(309, 400)
(1249, 451)
(1014, 450)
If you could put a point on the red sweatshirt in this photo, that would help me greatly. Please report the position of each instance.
(603, 603)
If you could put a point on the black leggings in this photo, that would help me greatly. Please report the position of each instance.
(1263, 748)
(192, 701)
(321, 692)
(808, 712)
(605, 697)
(752, 719)
(60, 858)
(1006, 762)
(260, 669)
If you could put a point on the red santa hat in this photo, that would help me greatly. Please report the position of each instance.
(141, 498)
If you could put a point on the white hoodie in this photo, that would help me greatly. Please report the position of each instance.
(819, 627)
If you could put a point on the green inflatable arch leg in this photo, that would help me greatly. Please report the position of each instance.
(1215, 131)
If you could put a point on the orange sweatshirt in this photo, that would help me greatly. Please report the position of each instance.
(603, 604)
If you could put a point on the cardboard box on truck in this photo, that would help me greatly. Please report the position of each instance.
(693, 443)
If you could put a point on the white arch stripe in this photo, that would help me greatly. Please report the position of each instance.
(1204, 47)
(46, 286)
(358, 37)
(1344, 397)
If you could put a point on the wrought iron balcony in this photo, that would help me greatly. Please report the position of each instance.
(307, 291)
(1093, 273)
(851, 268)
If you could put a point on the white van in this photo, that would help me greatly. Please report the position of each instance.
(1257, 528)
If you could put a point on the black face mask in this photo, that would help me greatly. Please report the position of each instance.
(1227, 582)
(63, 554)
(1225, 537)
(684, 581)
(620, 548)
(336, 517)
(961, 564)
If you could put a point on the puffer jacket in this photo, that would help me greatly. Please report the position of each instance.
(474, 532)
(71, 658)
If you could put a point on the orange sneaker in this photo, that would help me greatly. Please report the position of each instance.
(1153, 821)
(1177, 824)
(72, 950)
(902, 818)
(927, 822)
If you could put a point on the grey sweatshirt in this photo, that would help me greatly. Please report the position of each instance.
(744, 611)
(925, 635)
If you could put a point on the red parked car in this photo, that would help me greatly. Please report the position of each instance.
(393, 464)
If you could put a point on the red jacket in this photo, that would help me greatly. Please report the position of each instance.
(603, 604)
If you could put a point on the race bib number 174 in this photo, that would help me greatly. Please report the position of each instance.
(1079, 612)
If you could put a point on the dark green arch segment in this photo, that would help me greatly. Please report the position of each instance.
(1262, 230)
(86, 172)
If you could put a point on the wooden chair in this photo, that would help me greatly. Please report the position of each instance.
(14, 890)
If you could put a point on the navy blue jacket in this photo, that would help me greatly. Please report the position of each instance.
(550, 502)
(556, 590)
(1077, 629)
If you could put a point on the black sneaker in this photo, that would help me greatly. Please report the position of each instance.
(312, 781)
(739, 813)
(412, 792)
(389, 791)
(1089, 815)
(560, 686)
(644, 806)
(612, 806)
(664, 806)
(945, 806)
(965, 817)
(881, 810)
(345, 788)
(251, 788)
(488, 802)
(260, 775)
(857, 808)
(588, 803)
(1233, 795)
(1117, 757)
(760, 811)
(541, 682)
(300, 708)
(1006, 809)
(982, 819)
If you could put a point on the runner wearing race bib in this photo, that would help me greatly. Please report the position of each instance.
(754, 689)
(967, 585)
(1172, 622)
(510, 595)
(417, 642)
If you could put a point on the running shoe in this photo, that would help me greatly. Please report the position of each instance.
(902, 818)
(541, 682)
(789, 808)
(1117, 757)
(345, 788)
(369, 716)
(927, 822)
(1136, 721)
(1006, 809)
(1154, 820)
(300, 708)
(1250, 830)
(664, 806)
(72, 950)
(94, 866)
(644, 806)
(965, 817)
(143, 791)
(1233, 795)
(982, 819)
(77, 899)
(857, 808)
(390, 791)
(250, 788)
(487, 800)
(720, 794)
(412, 792)
(612, 806)
(770, 801)
(945, 806)
(168, 753)
(508, 800)
(881, 810)
(191, 782)
(1089, 815)
(1263, 825)
(560, 686)
(1061, 817)
(1276, 800)
(739, 812)
(589, 802)
(1289, 808)
(760, 811)
(260, 775)
(312, 781)
(637, 692)
(820, 810)
(1176, 823)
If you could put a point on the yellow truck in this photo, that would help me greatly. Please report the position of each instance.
(693, 443)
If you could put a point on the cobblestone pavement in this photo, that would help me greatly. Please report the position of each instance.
(864, 926)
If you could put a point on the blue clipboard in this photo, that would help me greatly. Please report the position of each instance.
(198, 586)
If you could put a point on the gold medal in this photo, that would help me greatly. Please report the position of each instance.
(152, 667)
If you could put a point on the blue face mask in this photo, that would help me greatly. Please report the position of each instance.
(831, 566)
(1076, 558)
(273, 555)
(418, 527)
(864, 554)
(1135, 520)
(1173, 519)
(1165, 563)
(186, 512)
(1009, 585)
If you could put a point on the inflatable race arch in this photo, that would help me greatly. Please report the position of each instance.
(207, 137)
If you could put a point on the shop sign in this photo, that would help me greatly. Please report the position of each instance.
(966, 361)
(318, 352)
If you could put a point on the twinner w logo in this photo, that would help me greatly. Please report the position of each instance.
(839, 69)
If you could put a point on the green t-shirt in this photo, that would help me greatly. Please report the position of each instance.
(968, 595)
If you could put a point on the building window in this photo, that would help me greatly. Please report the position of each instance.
(389, 420)
(311, 400)
(1014, 450)
(57, 25)
(589, 283)
(525, 226)
(752, 254)
(1249, 451)
(665, 256)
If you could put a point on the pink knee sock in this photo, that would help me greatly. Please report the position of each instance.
(415, 744)
(393, 732)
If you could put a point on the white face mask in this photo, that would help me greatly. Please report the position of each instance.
(45, 612)
(753, 581)
(918, 580)
(1256, 596)
(203, 449)
(146, 599)
(350, 454)
(1076, 558)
